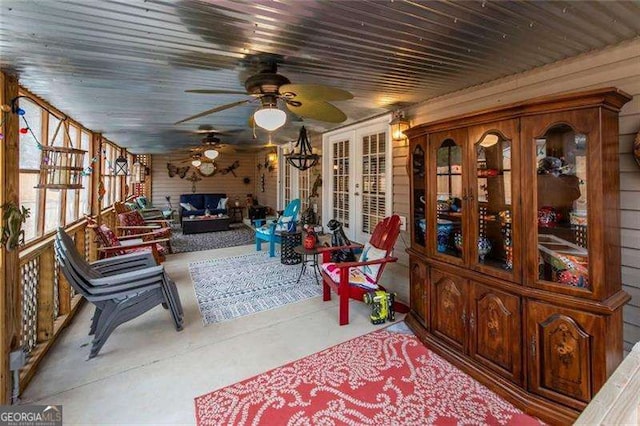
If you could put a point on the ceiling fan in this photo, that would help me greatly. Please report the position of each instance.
(273, 90)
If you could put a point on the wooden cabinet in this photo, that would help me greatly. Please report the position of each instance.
(515, 247)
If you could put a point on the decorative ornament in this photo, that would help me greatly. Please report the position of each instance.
(101, 191)
(316, 185)
(262, 180)
(310, 240)
(121, 166)
(305, 158)
(24, 130)
(13, 218)
(194, 178)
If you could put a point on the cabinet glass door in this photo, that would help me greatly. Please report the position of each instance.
(449, 196)
(493, 211)
(418, 169)
(561, 195)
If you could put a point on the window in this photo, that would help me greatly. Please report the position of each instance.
(71, 201)
(30, 166)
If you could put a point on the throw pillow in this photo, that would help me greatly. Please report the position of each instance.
(222, 204)
(187, 206)
(369, 252)
(285, 223)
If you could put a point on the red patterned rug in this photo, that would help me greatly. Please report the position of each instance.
(381, 378)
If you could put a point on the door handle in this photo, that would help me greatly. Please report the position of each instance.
(356, 193)
(533, 346)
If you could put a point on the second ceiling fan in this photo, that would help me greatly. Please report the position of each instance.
(272, 90)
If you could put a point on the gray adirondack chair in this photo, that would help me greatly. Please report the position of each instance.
(121, 288)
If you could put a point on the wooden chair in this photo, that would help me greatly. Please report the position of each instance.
(132, 223)
(150, 216)
(270, 232)
(354, 279)
(110, 245)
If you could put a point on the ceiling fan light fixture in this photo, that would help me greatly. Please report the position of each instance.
(211, 154)
(196, 163)
(270, 118)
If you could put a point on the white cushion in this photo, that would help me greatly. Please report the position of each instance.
(283, 223)
(356, 276)
(188, 207)
(222, 204)
(369, 252)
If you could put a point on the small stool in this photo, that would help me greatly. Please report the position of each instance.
(288, 242)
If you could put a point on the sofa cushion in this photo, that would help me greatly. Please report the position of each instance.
(196, 200)
(211, 201)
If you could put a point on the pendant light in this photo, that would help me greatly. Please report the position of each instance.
(211, 154)
(305, 158)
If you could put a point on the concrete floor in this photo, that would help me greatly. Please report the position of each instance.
(147, 373)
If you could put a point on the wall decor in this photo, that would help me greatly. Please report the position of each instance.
(231, 168)
(194, 178)
(174, 170)
(246, 180)
(13, 218)
(316, 186)
(207, 169)
(636, 148)
(262, 179)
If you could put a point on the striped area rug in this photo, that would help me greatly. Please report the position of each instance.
(231, 287)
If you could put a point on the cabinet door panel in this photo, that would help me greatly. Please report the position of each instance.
(419, 291)
(448, 308)
(496, 331)
(417, 169)
(562, 347)
(447, 211)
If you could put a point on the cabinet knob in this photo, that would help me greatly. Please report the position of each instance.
(464, 315)
(472, 321)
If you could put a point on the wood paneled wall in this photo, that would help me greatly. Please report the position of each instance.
(617, 66)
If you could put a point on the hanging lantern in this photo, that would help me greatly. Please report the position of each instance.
(137, 172)
(305, 158)
(398, 126)
(121, 166)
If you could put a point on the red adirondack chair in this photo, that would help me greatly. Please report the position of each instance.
(341, 276)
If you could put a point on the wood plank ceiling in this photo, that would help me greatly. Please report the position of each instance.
(122, 66)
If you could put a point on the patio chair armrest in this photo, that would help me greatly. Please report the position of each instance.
(133, 227)
(118, 260)
(368, 262)
(138, 236)
(158, 222)
(151, 243)
(131, 277)
(132, 261)
(330, 249)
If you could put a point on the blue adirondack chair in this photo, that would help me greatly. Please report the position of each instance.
(270, 232)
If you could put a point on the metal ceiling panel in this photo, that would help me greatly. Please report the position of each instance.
(121, 67)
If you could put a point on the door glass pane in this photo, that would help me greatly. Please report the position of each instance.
(563, 256)
(341, 182)
(449, 198)
(373, 176)
(419, 202)
(493, 156)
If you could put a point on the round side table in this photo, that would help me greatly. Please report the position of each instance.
(288, 242)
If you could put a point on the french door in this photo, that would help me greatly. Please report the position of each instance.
(358, 169)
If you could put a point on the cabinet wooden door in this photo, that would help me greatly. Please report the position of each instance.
(563, 347)
(447, 195)
(419, 290)
(449, 308)
(494, 322)
(417, 169)
(494, 199)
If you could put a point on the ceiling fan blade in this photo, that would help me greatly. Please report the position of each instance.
(213, 110)
(321, 111)
(314, 92)
(216, 92)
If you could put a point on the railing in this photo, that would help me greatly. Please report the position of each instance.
(47, 302)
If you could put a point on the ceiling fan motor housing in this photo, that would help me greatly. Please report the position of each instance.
(265, 83)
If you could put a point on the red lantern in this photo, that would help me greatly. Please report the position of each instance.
(309, 241)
